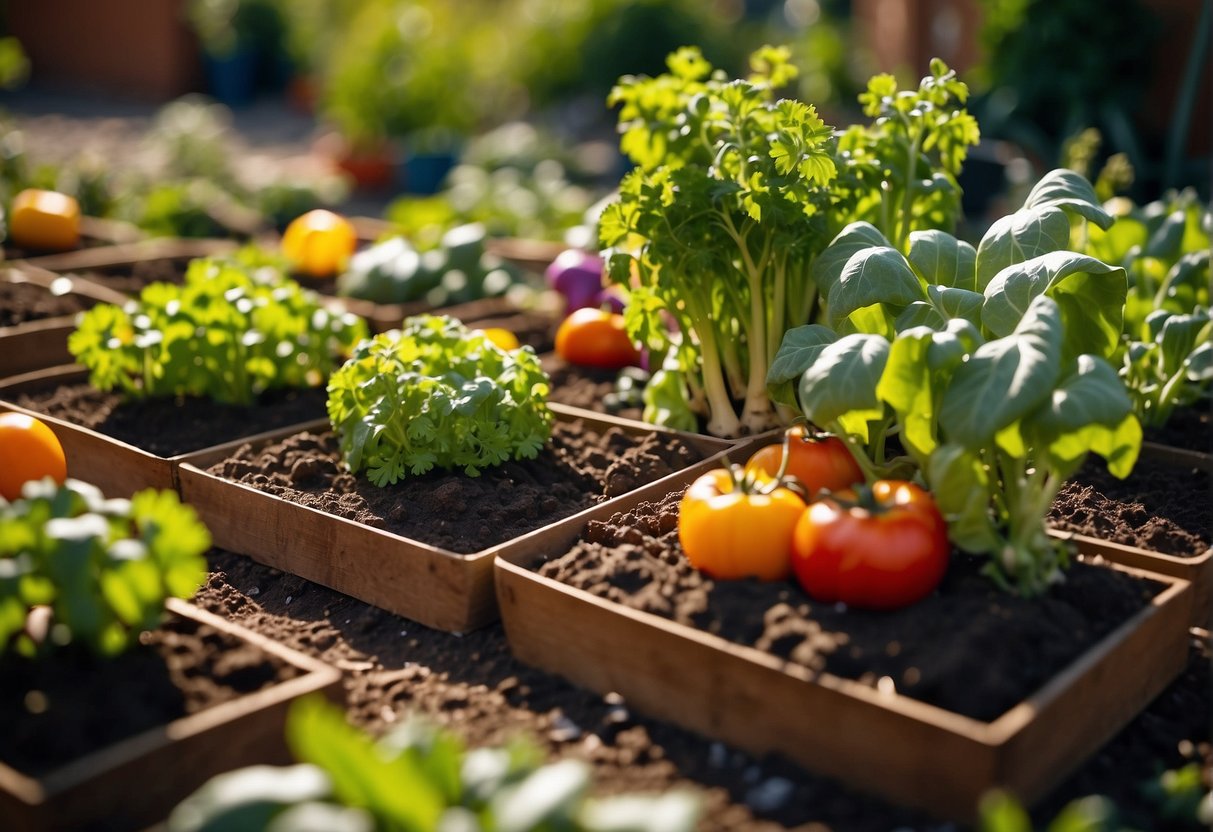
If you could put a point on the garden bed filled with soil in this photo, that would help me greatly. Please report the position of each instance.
(22, 302)
(579, 467)
(168, 427)
(471, 683)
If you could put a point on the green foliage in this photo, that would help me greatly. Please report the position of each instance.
(231, 332)
(736, 194)
(437, 394)
(417, 778)
(1166, 357)
(991, 364)
(458, 270)
(103, 567)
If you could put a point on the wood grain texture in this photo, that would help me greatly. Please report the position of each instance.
(136, 782)
(887, 744)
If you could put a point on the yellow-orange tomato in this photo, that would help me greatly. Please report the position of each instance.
(730, 534)
(29, 450)
(819, 461)
(319, 243)
(45, 220)
(501, 337)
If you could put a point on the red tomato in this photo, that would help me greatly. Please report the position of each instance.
(595, 338)
(731, 534)
(887, 553)
(819, 461)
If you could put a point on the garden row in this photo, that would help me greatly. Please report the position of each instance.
(441, 487)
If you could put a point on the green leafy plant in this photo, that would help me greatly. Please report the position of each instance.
(1167, 355)
(435, 393)
(416, 778)
(734, 196)
(458, 270)
(990, 365)
(231, 332)
(102, 567)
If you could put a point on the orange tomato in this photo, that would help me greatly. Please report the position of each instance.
(729, 533)
(46, 220)
(319, 243)
(29, 450)
(595, 338)
(818, 461)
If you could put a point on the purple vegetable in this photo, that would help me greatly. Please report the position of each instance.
(577, 276)
(608, 298)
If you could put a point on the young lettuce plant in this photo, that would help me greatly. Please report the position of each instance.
(416, 778)
(102, 568)
(435, 393)
(734, 196)
(229, 333)
(1167, 358)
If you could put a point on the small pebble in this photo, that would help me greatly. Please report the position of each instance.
(290, 598)
(254, 592)
(770, 795)
(563, 729)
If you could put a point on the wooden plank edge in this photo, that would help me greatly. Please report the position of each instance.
(1179, 457)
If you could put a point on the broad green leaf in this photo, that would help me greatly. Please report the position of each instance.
(1090, 294)
(799, 349)
(1200, 363)
(545, 799)
(873, 275)
(1165, 242)
(1024, 235)
(906, 386)
(957, 303)
(1004, 379)
(237, 799)
(855, 237)
(961, 486)
(943, 260)
(1178, 338)
(844, 378)
(1118, 444)
(1091, 393)
(395, 789)
(1069, 191)
(674, 811)
(1117, 244)
(920, 313)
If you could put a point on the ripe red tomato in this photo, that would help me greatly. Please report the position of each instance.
(595, 338)
(819, 461)
(731, 534)
(883, 552)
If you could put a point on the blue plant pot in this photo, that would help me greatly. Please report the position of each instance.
(423, 173)
(232, 78)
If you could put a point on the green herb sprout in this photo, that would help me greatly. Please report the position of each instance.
(231, 332)
(103, 567)
(435, 393)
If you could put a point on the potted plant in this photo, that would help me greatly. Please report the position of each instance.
(94, 704)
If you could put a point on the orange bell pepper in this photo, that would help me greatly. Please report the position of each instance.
(44, 220)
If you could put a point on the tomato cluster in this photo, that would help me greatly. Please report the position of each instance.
(882, 546)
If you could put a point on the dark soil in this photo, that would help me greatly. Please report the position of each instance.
(1160, 507)
(1189, 427)
(968, 647)
(59, 709)
(473, 685)
(24, 302)
(579, 467)
(167, 427)
(584, 387)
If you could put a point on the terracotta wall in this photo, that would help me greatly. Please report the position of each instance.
(140, 48)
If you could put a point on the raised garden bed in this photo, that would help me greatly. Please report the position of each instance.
(1156, 519)
(37, 313)
(123, 446)
(422, 548)
(615, 607)
(129, 267)
(199, 696)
